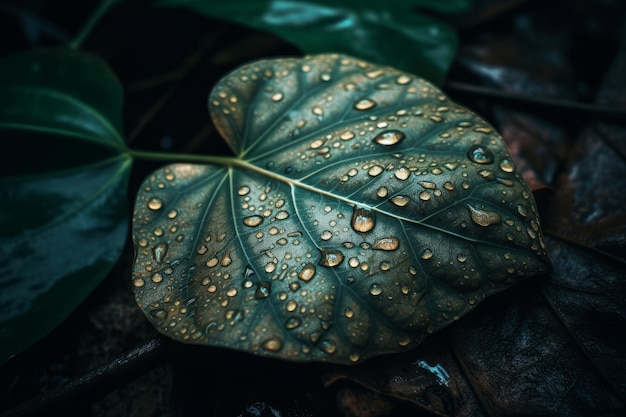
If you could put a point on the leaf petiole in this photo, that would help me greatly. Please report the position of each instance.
(170, 157)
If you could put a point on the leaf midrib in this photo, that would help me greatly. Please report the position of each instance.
(238, 163)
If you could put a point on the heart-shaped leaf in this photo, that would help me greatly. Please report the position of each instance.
(63, 217)
(363, 212)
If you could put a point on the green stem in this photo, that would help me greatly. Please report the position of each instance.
(170, 157)
(93, 20)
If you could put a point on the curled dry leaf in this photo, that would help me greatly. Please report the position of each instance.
(363, 212)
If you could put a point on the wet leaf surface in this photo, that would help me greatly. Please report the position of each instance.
(388, 207)
(57, 242)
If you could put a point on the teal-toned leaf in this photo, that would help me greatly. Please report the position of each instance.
(363, 212)
(387, 33)
(63, 217)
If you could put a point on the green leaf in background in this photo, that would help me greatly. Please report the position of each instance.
(364, 211)
(388, 33)
(63, 212)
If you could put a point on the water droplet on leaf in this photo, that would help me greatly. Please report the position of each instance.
(263, 290)
(376, 289)
(401, 200)
(389, 137)
(480, 154)
(159, 251)
(375, 170)
(402, 174)
(273, 344)
(307, 273)
(347, 135)
(330, 257)
(364, 104)
(522, 210)
(403, 79)
(253, 220)
(506, 165)
(328, 346)
(386, 243)
(155, 203)
(404, 341)
(363, 220)
(292, 323)
(484, 218)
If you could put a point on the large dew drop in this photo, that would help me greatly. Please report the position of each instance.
(506, 165)
(307, 273)
(386, 243)
(363, 220)
(376, 289)
(159, 252)
(389, 137)
(480, 154)
(364, 104)
(253, 220)
(155, 203)
(331, 257)
(263, 290)
(273, 344)
(375, 171)
(484, 218)
(401, 200)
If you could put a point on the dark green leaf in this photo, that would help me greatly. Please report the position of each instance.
(387, 33)
(63, 92)
(364, 212)
(63, 218)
